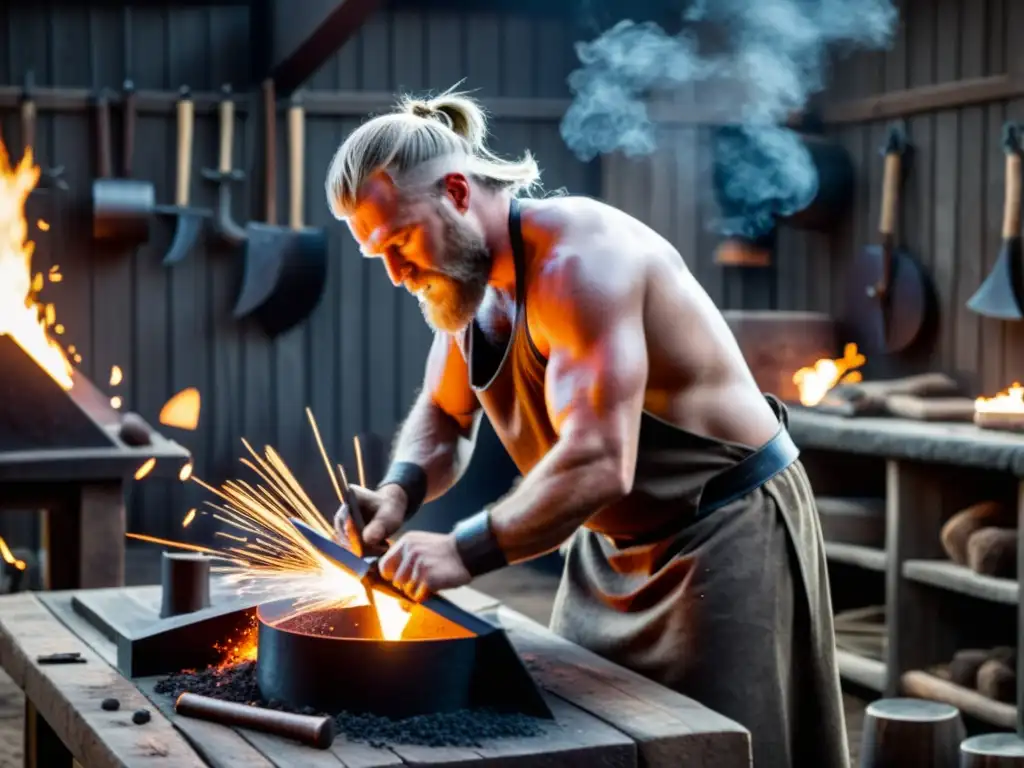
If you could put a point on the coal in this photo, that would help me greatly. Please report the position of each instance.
(141, 716)
(110, 705)
(464, 728)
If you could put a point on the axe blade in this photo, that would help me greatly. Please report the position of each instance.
(186, 233)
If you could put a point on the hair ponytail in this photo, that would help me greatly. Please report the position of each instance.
(419, 131)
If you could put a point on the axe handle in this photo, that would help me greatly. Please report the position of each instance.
(1011, 207)
(296, 157)
(270, 151)
(227, 133)
(184, 170)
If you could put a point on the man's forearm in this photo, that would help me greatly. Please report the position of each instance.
(553, 500)
(430, 439)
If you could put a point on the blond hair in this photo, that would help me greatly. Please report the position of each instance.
(418, 131)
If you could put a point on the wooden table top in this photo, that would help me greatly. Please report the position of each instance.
(604, 714)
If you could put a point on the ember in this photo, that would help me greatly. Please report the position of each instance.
(465, 728)
(22, 317)
(815, 382)
(265, 553)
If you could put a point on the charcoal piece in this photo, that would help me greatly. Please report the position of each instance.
(141, 716)
(134, 431)
(110, 705)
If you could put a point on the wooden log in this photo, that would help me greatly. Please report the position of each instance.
(908, 732)
(964, 666)
(930, 408)
(993, 552)
(926, 686)
(997, 680)
(1007, 421)
(778, 344)
(992, 750)
(959, 528)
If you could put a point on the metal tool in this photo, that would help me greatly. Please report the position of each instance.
(121, 207)
(189, 220)
(285, 270)
(224, 175)
(1000, 296)
(48, 177)
(891, 300)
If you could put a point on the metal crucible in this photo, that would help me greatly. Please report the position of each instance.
(329, 660)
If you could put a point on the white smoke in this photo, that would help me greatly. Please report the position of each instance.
(769, 57)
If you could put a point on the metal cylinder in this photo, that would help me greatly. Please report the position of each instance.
(903, 732)
(992, 750)
(320, 659)
(185, 579)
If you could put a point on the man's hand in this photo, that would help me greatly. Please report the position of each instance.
(420, 563)
(383, 513)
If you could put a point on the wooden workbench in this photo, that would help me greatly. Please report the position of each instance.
(604, 715)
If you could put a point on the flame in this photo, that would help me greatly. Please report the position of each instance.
(182, 410)
(22, 317)
(1010, 400)
(8, 556)
(240, 648)
(815, 382)
(265, 554)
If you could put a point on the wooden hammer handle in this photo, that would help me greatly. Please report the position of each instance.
(1011, 210)
(890, 194)
(227, 131)
(310, 730)
(296, 157)
(184, 168)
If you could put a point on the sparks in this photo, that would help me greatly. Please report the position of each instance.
(265, 555)
(116, 375)
(145, 469)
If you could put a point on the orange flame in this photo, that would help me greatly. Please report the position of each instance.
(8, 556)
(815, 382)
(182, 410)
(22, 317)
(1010, 400)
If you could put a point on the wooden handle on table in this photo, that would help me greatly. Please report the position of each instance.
(106, 162)
(270, 151)
(307, 729)
(890, 194)
(1011, 206)
(227, 131)
(296, 156)
(185, 122)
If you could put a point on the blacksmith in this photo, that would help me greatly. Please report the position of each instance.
(696, 553)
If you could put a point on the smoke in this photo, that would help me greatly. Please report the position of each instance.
(768, 58)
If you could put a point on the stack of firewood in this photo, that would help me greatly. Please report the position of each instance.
(992, 672)
(984, 538)
(862, 631)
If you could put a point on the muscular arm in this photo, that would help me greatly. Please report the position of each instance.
(439, 430)
(591, 317)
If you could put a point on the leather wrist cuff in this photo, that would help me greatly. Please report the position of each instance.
(412, 479)
(477, 545)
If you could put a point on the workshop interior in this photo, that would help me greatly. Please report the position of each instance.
(197, 363)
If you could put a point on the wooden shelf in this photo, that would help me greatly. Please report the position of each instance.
(853, 554)
(863, 671)
(927, 686)
(957, 578)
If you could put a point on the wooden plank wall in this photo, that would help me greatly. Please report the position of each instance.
(953, 195)
(358, 360)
